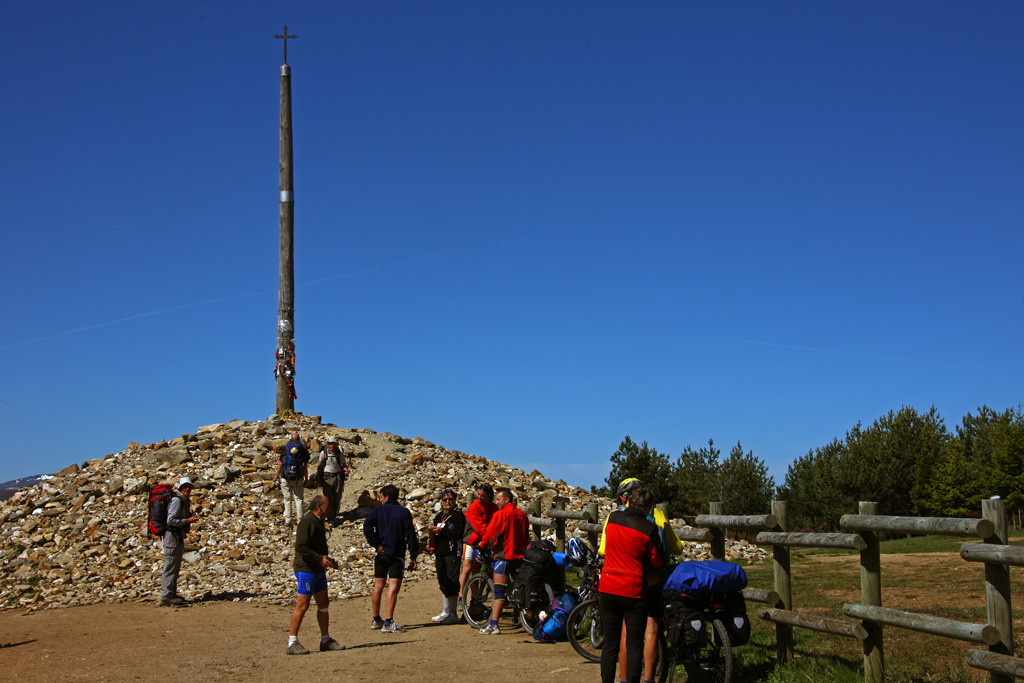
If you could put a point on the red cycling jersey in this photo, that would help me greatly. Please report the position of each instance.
(509, 530)
(478, 515)
(632, 547)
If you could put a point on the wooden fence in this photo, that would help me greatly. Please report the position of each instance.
(859, 533)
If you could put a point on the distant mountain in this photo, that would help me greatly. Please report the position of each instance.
(8, 488)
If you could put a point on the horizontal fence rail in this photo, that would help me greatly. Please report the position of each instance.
(996, 663)
(937, 626)
(809, 540)
(981, 528)
(990, 552)
(839, 627)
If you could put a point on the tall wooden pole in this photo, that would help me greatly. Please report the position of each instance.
(285, 368)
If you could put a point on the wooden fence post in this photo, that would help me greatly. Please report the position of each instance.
(783, 583)
(997, 585)
(535, 511)
(592, 536)
(871, 594)
(560, 525)
(717, 534)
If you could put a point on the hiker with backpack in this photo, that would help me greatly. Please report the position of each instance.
(176, 526)
(311, 564)
(331, 472)
(293, 474)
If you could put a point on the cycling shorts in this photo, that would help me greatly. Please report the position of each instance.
(468, 551)
(311, 584)
(506, 567)
(387, 567)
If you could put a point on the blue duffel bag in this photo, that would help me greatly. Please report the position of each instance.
(707, 576)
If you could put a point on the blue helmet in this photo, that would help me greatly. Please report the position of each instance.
(577, 551)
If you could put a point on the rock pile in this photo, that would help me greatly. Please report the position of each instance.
(81, 537)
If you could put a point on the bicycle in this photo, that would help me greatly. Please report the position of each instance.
(705, 653)
(478, 598)
(583, 627)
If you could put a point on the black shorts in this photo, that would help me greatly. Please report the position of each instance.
(653, 600)
(387, 567)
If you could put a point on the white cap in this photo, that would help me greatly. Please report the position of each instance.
(185, 481)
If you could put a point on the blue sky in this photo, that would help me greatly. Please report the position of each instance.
(524, 230)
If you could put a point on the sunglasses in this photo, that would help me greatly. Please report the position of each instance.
(447, 498)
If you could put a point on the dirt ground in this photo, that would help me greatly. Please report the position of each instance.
(224, 640)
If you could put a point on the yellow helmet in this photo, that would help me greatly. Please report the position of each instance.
(627, 485)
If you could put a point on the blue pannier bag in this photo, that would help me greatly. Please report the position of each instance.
(553, 628)
(708, 576)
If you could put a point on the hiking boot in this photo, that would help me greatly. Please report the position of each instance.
(491, 630)
(392, 627)
(172, 601)
(376, 623)
(330, 644)
(450, 619)
(296, 648)
(440, 617)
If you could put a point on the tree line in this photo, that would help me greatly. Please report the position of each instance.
(907, 461)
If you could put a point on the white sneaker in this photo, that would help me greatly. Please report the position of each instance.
(450, 619)
(392, 627)
(490, 630)
(441, 617)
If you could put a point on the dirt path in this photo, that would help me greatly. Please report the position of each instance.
(221, 640)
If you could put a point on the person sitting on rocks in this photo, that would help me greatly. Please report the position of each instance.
(310, 564)
(446, 544)
(293, 474)
(331, 472)
(389, 529)
(179, 522)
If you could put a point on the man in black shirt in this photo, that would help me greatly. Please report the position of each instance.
(310, 565)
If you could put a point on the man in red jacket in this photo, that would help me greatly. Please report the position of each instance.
(509, 531)
(633, 551)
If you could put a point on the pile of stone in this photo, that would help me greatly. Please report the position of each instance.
(82, 537)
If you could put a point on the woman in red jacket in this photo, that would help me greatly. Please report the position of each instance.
(632, 551)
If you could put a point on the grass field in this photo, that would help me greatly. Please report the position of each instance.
(921, 574)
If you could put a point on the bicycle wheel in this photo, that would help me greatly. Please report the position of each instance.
(713, 661)
(478, 598)
(584, 630)
(529, 614)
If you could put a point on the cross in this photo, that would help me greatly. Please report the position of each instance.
(286, 37)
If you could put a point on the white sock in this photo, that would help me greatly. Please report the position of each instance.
(449, 605)
(292, 639)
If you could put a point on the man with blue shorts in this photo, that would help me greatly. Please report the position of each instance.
(311, 564)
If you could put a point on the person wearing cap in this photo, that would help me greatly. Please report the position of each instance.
(331, 472)
(670, 545)
(179, 521)
(310, 565)
(446, 543)
(478, 516)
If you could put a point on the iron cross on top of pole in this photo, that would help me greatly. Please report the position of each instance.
(286, 37)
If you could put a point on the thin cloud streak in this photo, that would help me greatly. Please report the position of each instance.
(855, 353)
(137, 316)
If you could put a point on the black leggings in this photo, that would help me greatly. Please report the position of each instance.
(447, 573)
(614, 610)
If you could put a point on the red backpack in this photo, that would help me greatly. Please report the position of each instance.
(159, 500)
